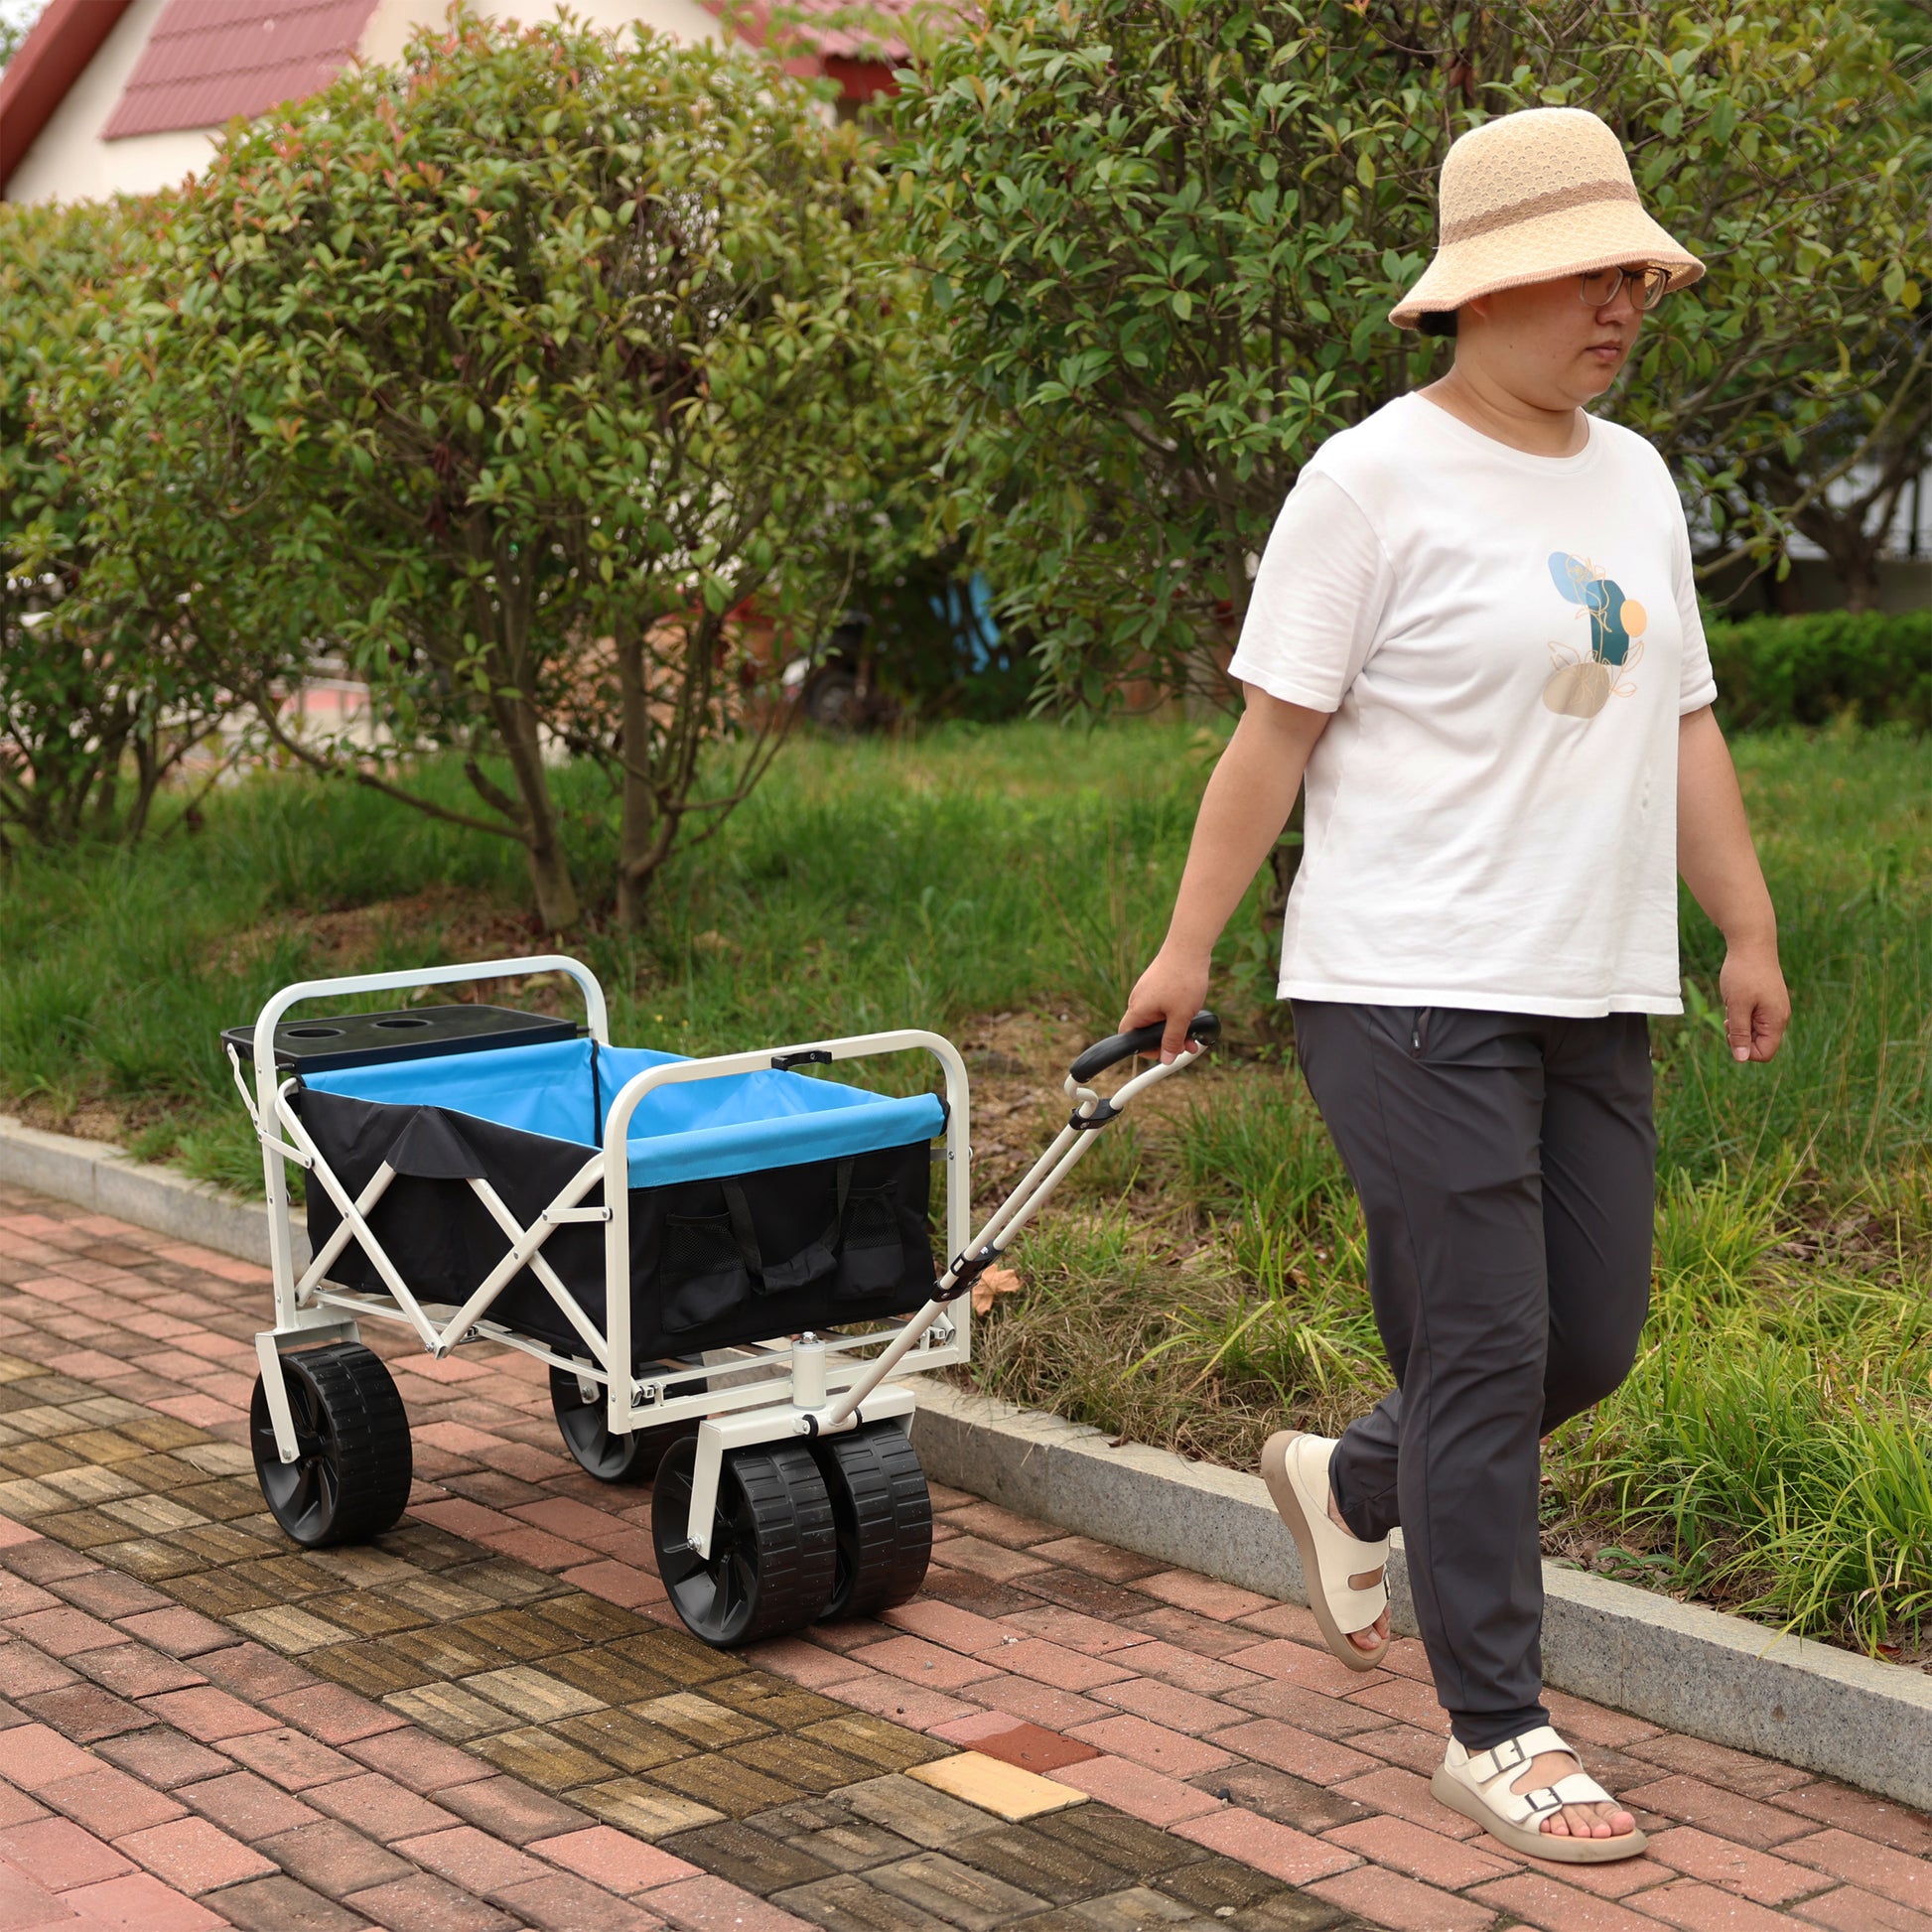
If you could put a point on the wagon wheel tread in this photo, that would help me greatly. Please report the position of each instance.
(773, 1523)
(359, 1430)
(883, 1515)
(612, 1459)
(796, 1564)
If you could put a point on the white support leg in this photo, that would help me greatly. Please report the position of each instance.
(526, 1242)
(276, 1393)
(426, 1332)
(704, 1486)
(313, 1324)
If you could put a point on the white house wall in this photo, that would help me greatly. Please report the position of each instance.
(70, 161)
(682, 20)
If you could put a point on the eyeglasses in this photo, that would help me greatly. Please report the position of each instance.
(1648, 286)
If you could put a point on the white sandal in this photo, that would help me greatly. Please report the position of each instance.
(1478, 1785)
(1295, 1466)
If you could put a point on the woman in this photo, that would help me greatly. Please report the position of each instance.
(1474, 631)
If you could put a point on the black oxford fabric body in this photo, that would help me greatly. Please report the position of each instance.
(713, 1263)
(1507, 1166)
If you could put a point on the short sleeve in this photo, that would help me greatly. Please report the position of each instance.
(1319, 597)
(1696, 687)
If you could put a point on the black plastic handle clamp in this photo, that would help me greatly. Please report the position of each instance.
(1116, 1048)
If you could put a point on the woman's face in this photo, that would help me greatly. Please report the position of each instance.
(1548, 345)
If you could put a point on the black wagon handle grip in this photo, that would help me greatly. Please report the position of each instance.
(1116, 1048)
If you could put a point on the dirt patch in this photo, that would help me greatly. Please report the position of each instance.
(455, 923)
(89, 1120)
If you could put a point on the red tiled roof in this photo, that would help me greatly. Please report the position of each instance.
(52, 57)
(208, 60)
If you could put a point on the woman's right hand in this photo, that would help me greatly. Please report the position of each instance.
(1171, 991)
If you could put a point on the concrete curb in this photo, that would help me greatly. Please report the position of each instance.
(99, 1176)
(1674, 1664)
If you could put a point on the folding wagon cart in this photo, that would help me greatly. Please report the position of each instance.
(726, 1265)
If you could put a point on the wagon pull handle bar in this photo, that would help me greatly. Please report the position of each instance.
(1103, 1053)
(1028, 1199)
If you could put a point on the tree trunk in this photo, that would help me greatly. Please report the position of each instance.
(1849, 548)
(558, 907)
(638, 809)
(1860, 576)
(550, 881)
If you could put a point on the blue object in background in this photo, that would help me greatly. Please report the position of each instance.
(968, 612)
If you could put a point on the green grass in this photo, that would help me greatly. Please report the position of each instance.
(1204, 1278)
(863, 886)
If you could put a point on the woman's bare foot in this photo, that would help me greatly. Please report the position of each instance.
(1377, 1633)
(1597, 1820)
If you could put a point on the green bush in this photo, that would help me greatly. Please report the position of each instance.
(107, 680)
(545, 353)
(1809, 670)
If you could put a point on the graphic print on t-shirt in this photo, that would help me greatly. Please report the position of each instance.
(1581, 686)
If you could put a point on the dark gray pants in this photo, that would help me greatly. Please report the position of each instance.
(1506, 1166)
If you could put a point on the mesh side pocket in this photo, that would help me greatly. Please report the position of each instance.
(700, 1272)
(872, 1258)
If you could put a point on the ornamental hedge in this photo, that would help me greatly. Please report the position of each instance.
(1875, 667)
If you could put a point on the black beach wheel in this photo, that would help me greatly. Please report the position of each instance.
(882, 1517)
(613, 1458)
(349, 1480)
(772, 1547)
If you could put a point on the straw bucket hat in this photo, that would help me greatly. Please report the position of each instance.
(1532, 196)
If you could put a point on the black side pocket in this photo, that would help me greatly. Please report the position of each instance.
(812, 1263)
(872, 1259)
(701, 1272)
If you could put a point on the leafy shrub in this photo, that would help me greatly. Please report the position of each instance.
(106, 680)
(1808, 670)
(546, 352)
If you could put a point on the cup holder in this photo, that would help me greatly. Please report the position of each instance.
(328, 1043)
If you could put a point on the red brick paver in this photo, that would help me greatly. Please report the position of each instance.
(158, 1758)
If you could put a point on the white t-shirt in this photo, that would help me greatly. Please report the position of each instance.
(1506, 642)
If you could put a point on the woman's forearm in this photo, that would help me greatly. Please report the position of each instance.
(1720, 864)
(1242, 813)
(1713, 840)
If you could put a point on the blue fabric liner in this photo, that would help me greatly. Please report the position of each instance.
(696, 1130)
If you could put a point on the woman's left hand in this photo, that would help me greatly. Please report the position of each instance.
(1757, 1008)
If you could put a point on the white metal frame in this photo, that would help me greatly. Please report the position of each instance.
(811, 1384)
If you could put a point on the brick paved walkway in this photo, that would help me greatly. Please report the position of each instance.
(485, 1721)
